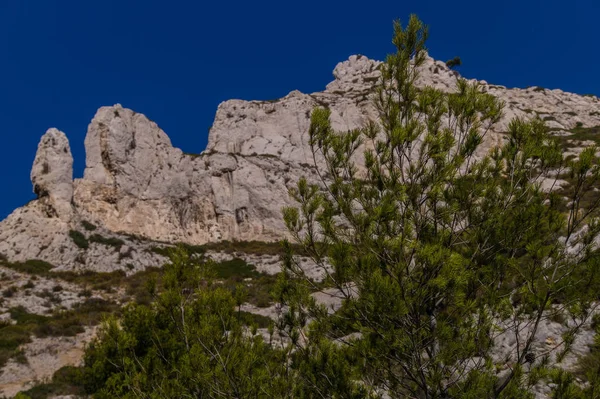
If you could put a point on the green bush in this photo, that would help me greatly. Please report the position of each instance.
(230, 247)
(79, 239)
(108, 241)
(260, 290)
(9, 292)
(255, 319)
(20, 357)
(454, 62)
(248, 247)
(51, 296)
(22, 316)
(162, 251)
(65, 382)
(88, 226)
(213, 328)
(63, 323)
(32, 266)
(580, 133)
(60, 323)
(13, 336)
(138, 286)
(237, 268)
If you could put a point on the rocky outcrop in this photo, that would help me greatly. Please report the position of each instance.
(44, 228)
(137, 183)
(52, 173)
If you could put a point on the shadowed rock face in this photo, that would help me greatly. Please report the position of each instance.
(136, 182)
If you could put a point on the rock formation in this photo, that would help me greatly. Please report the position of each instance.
(137, 183)
(52, 173)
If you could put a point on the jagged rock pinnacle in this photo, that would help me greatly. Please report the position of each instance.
(52, 172)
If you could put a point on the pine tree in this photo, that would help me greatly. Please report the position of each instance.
(435, 246)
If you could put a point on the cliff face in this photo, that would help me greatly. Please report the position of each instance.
(137, 183)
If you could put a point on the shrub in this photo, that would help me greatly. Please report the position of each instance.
(88, 226)
(96, 280)
(454, 62)
(79, 239)
(432, 246)
(260, 291)
(20, 357)
(9, 292)
(162, 251)
(11, 337)
(250, 247)
(189, 248)
(51, 296)
(255, 319)
(32, 266)
(237, 268)
(218, 330)
(67, 381)
(108, 241)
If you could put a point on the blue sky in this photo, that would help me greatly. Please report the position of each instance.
(175, 61)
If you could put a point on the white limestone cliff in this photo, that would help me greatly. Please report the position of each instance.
(136, 182)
